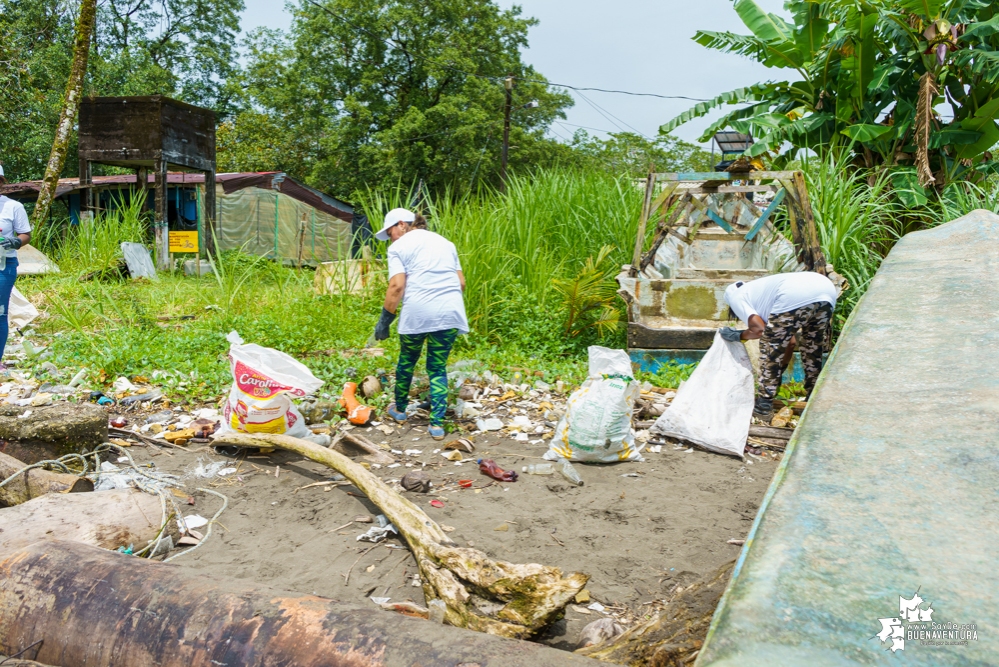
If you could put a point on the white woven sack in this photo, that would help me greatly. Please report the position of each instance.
(714, 407)
(596, 426)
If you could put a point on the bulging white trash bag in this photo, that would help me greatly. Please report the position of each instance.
(21, 311)
(714, 407)
(596, 426)
(263, 382)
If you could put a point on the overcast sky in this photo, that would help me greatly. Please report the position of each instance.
(634, 45)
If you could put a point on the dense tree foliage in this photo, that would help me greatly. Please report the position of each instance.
(633, 154)
(914, 84)
(356, 94)
(373, 91)
(182, 48)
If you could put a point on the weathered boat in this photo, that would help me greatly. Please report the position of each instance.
(710, 232)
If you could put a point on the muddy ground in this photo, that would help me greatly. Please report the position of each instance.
(638, 538)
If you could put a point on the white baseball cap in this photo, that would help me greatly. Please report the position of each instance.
(1, 170)
(392, 218)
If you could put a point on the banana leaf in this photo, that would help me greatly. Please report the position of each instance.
(864, 132)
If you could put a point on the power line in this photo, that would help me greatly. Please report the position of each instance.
(585, 127)
(609, 116)
(500, 78)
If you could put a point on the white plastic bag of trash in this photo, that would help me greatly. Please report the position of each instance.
(714, 407)
(263, 382)
(596, 426)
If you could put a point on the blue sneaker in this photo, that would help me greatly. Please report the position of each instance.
(395, 415)
(436, 432)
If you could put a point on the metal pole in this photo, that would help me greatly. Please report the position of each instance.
(508, 84)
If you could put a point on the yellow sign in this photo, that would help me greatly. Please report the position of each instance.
(183, 241)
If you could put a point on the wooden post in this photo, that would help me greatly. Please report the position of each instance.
(86, 189)
(160, 217)
(208, 228)
(809, 234)
(650, 184)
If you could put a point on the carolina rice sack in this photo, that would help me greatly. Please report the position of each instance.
(597, 422)
(264, 380)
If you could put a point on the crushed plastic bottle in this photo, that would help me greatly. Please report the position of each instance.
(539, 469)
(567, 471)
(489, 467)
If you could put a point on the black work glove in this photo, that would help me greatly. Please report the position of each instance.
(730, 334)
(8, 244)
(384, 322)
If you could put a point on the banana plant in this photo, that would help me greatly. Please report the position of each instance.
(876, 75)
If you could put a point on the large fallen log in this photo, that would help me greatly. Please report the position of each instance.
(108, 519)
(500, 598)
(673, 637)
(51, 431)
(35, 482)
(94, 607)
(20, 662)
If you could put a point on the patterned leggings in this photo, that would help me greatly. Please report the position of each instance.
(813, 321)
(438, 348)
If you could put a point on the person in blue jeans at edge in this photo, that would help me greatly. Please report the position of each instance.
(425, 275)
(15, 231)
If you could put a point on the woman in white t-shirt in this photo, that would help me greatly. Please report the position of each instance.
(15, 231)
(425, 275)
(775, 308)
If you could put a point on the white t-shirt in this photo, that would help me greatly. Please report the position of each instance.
(13, 220)
(433, 300)
(779, 293)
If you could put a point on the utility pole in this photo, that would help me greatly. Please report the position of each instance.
(508, 84)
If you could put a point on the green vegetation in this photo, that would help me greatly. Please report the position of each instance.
(357, 94)
(519, 249)
(521, 253)
(670, 374)
(872, 76)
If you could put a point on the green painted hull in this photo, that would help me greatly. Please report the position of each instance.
(891, 482)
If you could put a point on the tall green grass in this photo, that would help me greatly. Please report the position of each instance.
(515, 246)
(859, 217)
(855, 216)
(95, 246)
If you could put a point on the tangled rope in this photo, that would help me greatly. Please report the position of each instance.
(62, 463)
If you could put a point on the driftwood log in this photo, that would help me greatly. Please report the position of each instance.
(772, 432)
(500, 598)
(351, 444)
(35, 482)
(51, 431)
(107, 519)
(20, 662)
(95, 607)
(674, 636)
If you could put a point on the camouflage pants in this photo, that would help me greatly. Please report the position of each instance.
(813, 321)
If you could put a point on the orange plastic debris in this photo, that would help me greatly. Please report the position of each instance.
(357, 412)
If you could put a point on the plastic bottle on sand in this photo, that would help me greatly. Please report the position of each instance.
(539, 469)
(564, 467)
